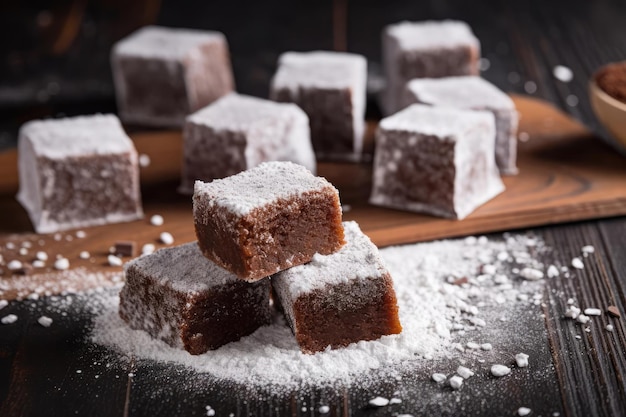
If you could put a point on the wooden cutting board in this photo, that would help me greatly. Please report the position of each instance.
(566, 174)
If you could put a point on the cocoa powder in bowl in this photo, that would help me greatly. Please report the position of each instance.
(612, 80)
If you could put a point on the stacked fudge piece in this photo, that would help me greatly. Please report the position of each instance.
(276, 223)
(330, 88)
(163, 74)
(77, 172)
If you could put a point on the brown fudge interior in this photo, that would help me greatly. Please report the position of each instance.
(274, 238)
(224, 315)
(324, 319)
(81, 197)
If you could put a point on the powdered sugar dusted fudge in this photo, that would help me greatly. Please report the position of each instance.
(341, 298)
(430, 49)
(239, 132)
(162, 74)
(77, 172)
(177, 295)
(271, 217)
(330, 88)
(473, 93)
(435, 160)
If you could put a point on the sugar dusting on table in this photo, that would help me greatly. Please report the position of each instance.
(442, 289)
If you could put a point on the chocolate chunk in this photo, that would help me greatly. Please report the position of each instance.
(613, 311)
(239, 132)
(77, 172)
(267, 219)
(124, 248)
(339, 299)
(182, 298)
(330, 88)
(435, 160)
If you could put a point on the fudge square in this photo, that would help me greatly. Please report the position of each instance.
(161, 75)
(239, 132)
(430, 49)
(77, 172)
(330, 88)
(473, 93)
(263, 220)
(435, 160)
(341, 298)
(177, 295)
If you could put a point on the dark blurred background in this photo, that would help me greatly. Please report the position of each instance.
(54, 55)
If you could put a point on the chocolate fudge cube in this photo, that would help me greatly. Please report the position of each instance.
(430, 49)
(161, 74)
(177, 295)
(341, 298)
(330, 88)
(239, 132)
(473, 93)
(271, 217)
(77, 172)
(435, 160)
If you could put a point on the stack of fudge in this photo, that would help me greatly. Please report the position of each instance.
(451, 134)
(273, 226)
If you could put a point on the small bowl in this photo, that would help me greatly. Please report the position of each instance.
(610, 111)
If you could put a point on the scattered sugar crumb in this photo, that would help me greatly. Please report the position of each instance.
(523, 136)
(62, 264)
(578, 263)
(570, 301)
(114, 260)
(552, 271)
(23, 251)
(14, 265)
(531, 274)
(563, 73)
(521, 359)
(609, 327)
(84, 255)
(583, 319)
(147, 249)
(588, 249)
(523, 411)
(593, 312)
(486, 346)
(157, 220)
(472, 345)
(144, 160)
(500, 370)
(38, 264)
(166, 238)
(3, 304)
(464, 372)
(9, 319)
(80, 234)
(379, 402)
(324, 409)
(41, 256)
(395, 401)
(437, 377)
(45, 321)
(484, 64)
(455, 382)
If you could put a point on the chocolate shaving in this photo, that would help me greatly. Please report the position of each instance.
(124, 248)
(613, 311)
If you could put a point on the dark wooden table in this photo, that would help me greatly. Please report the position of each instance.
(522, 41)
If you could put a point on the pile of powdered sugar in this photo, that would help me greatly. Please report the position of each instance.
(442, 288)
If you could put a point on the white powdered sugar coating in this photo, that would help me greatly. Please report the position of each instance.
(358, 259)
(165, 43)
(273, 131)
(432, 34)
(437, 121)
(182, 268)
(431, 309)
(466, 92)
(258, 187)
(320, 69)
(98, 134)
